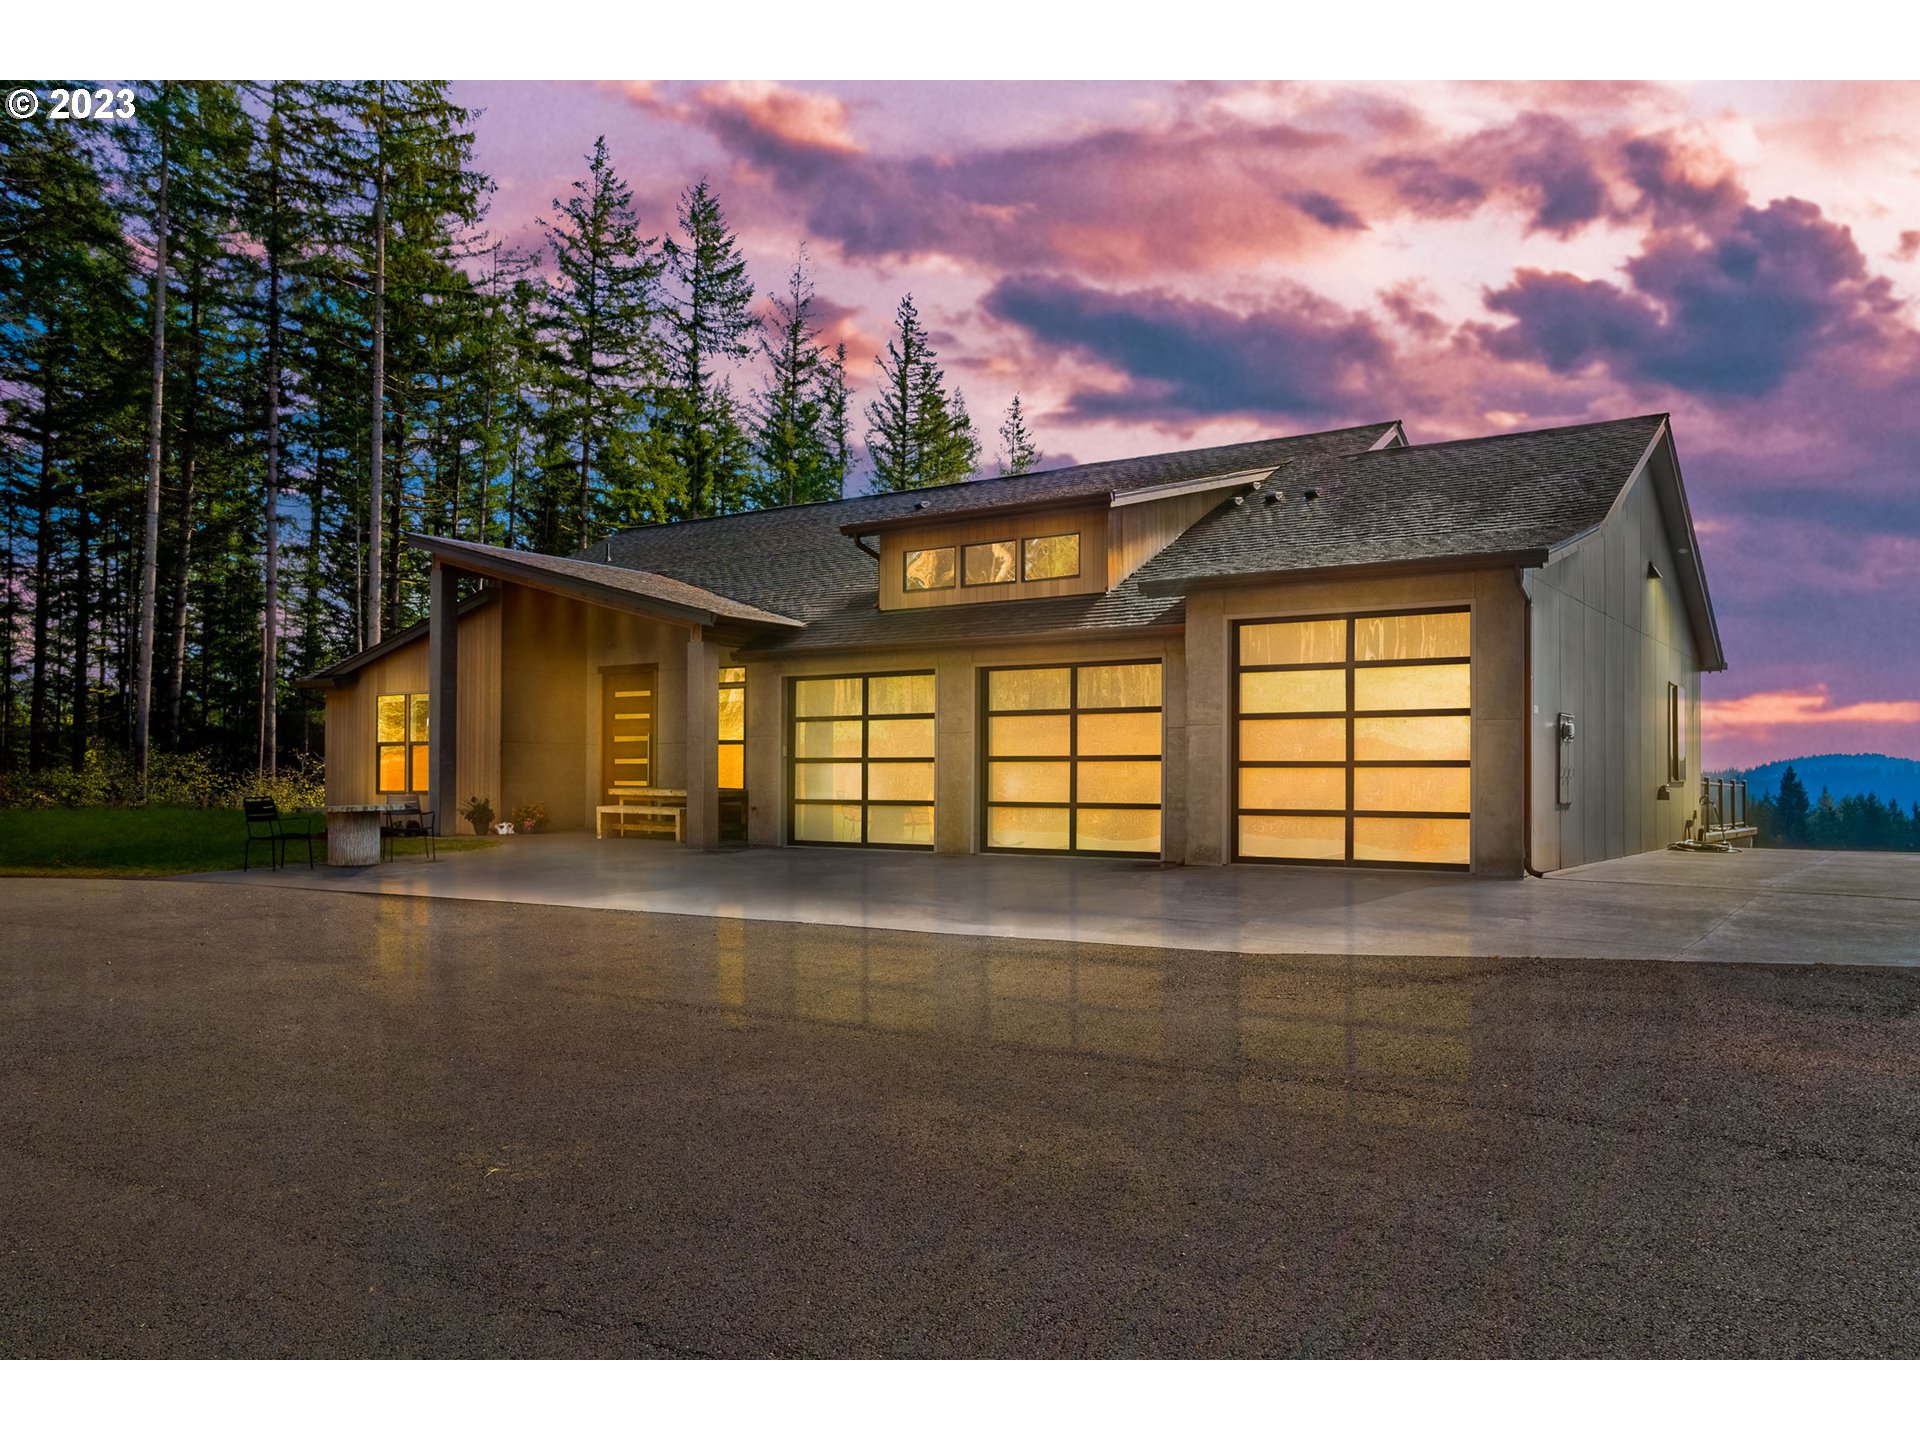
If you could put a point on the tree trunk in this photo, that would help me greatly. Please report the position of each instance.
(374, 494)
(39, 737)
(270, 620)
(176, 672)
(150, 556)
(79, 733)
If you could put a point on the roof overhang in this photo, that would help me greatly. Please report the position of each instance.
(920, 519)
(1434, 565)
(344, 674)
(1660, 464)
(503, 565)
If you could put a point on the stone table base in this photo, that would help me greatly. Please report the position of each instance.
(353, 834)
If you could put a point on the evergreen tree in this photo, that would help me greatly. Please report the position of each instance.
(835, 426)
(917, 435)
(1018, 453)
(710, 318)
(600, 345)
(793, 437)
(1791, 808)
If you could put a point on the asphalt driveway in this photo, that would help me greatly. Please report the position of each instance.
(238, 1121)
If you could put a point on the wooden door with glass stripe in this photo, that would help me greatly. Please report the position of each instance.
(627, 697)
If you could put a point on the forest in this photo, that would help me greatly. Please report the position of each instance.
(253, 334)
(1788, 817)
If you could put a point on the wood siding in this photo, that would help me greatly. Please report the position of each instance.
(1137, 533)
(351, 714)
(1607, 640)
(1089, 523)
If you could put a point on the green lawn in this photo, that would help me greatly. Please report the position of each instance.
(157, 841)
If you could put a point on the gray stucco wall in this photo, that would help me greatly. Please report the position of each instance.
(1607, 639)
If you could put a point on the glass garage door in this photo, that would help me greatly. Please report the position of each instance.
(862, 761)
(1354, 739)
(1073, 759)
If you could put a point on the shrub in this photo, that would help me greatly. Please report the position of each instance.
(196, 780)
(529, 818)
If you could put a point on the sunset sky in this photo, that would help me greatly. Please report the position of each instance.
(1158, 266)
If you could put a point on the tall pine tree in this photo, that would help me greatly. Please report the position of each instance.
(917, 434)
(710, 318)
(1018, 452)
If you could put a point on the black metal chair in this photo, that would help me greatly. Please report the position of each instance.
(266, 826)
(407, 821)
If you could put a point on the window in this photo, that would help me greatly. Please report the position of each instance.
(1354, 739)
(862, 760)
(1073, 759)
(1676, 732)
(732, 769)
(1051, 557)
(993, 563)
(930, 569)
(400, 745)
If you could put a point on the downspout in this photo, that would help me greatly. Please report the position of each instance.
(1526, 744)
(861, 542)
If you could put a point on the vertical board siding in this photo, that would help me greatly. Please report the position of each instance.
(1090, 523)
(1607, 639)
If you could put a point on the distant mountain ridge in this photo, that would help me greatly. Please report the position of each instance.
(1891, 777)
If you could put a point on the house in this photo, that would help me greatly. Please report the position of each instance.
(1327, 649)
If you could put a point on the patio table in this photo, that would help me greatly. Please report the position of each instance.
(353, 834)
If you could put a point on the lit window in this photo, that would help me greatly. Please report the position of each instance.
(995, 562)
(1051, 557)
(400, 744)
(930, 569)
(732, 769)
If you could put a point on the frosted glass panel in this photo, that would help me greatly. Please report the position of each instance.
(1420, 842)
(1119, 782)
(836, 823)
(908, 739)
(826, 697)
(1292, 789)
(1034, 781)
(900, 780)
(1114, 686)
(994, 563)
(900, 825)
(1027, 690)
(732, 773)
(1412, 637)
(733, 713)
(1137, 734)
(816, 780)
(826, 738)
(1019, 829)
(1294, 837)
(393, 767)
(417, 717)
(1293, 740)
(733, 674)
(1412, 789)
(1294, 642)
(1052, 557)
(900, 695)
(1028, 734)
(1423, 737)
(420, 772)
(1413, 687)
(1288, 690)
(930, 569)
(1135, 831)
(392, 723)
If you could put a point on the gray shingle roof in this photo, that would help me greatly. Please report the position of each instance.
(1457, 500)
(795, 560)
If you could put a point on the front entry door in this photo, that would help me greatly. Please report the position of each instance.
(627, 697)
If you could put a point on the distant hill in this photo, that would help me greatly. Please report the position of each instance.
(1888, 776)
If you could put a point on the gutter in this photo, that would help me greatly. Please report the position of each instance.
(1526, 743)
(1521, 559)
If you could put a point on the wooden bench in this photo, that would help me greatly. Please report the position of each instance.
(661, 816)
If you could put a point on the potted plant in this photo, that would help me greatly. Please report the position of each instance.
(530, 818)
(478, 812)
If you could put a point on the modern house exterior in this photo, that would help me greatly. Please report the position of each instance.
(1326, 649)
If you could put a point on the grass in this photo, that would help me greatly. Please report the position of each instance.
(159, 840)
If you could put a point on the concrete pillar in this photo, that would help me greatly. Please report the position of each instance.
(954, 747)
(1207, 717)
(703, 739)
(443, 698)
(766, 755)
